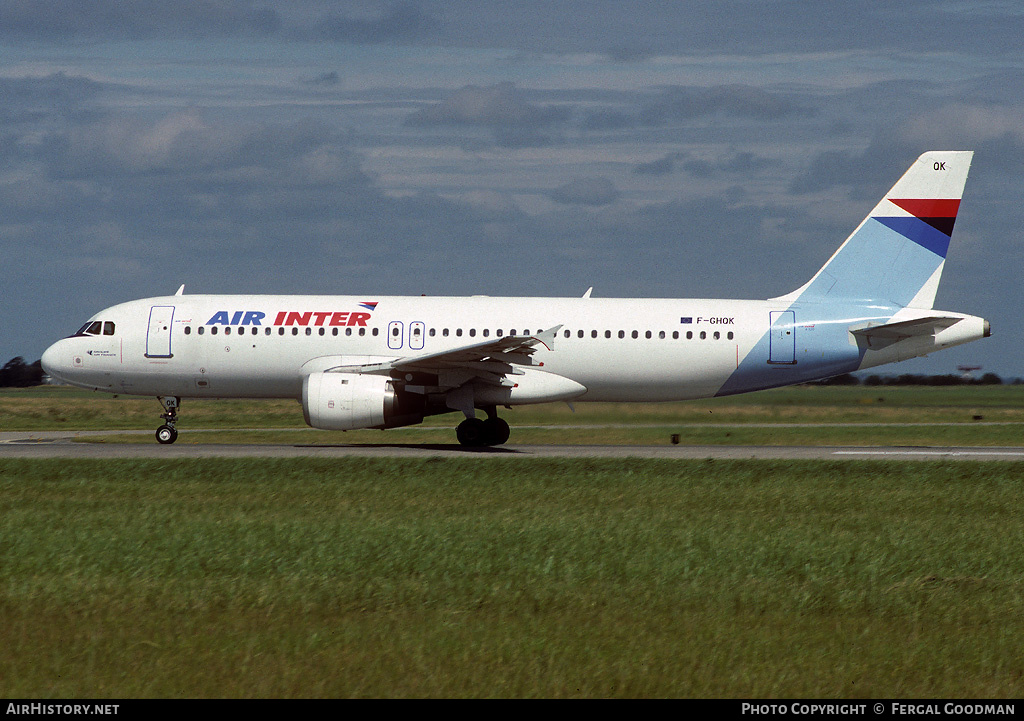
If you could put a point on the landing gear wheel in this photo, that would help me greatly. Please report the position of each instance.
(472, 433)
(166, 434)
(497, 431)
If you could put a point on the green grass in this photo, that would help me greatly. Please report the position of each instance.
(510, 578)
(973, 415)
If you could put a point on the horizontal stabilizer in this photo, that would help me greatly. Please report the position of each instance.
(882, 335)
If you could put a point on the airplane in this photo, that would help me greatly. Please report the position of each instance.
(371, 361)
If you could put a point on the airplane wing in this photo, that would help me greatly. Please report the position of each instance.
(490, 360)
(889, 333)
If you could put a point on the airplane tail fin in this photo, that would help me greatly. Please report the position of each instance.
(897, 253)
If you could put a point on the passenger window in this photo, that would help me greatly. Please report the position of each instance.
(635, 334)
(689, 335)
(188, 330)
(322, 331)
(622, 334)
(648, 334)
(729, 336)
(472, 332)
(213, 330)
(486, 332)
(201, 330)
(227, 331)
(717, 335)
(703, 335)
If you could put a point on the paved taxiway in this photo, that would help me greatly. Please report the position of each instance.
(53, 444)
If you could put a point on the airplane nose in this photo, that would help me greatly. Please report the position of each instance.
(53, 360)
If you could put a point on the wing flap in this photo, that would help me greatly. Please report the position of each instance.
(490, 360)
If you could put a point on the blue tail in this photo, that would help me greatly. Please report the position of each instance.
(896, 255)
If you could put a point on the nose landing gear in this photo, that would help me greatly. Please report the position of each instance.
(167, 433)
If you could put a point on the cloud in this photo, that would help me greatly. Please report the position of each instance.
(496, 106)
(662, 166)
(586, 191)
(29, 98)
(744, 101)
(742, 162)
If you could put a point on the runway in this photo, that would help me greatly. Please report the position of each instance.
(55, 444)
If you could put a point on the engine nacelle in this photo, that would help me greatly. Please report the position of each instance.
(347, 401)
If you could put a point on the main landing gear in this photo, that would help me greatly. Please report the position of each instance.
(167, 433)
(478, 432)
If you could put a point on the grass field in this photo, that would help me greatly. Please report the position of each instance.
(520, 577)
(510, 578)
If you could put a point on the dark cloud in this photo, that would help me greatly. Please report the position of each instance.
(586, 191)
(328, 79)
(56, 95)
(404, 22)
(51, 19)
(620, 31)
(662, 166)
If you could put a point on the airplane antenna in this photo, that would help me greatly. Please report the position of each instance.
(181, 290)
(589, 291)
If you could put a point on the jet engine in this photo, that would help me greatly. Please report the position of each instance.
(347, 401)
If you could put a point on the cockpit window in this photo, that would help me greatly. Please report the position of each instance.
(97, 327)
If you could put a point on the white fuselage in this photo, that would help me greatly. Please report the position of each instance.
(205, 346)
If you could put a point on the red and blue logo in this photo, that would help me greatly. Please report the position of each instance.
(930, 224)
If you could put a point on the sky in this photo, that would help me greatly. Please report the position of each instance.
(460, 147)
